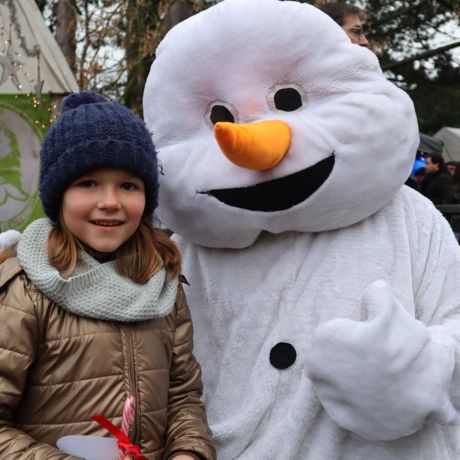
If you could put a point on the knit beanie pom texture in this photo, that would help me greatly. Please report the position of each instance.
(94, 133)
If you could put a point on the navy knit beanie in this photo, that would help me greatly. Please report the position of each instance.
(94, 133)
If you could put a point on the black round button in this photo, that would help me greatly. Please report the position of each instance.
(282, 355)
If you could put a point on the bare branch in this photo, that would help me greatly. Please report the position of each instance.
(421, 56)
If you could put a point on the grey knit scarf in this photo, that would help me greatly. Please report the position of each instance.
(94, 289)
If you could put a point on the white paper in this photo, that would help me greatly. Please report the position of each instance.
(89, 447)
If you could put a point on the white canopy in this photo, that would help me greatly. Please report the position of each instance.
(451, 139)
(30, 59)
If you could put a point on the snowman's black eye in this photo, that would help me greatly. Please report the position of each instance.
(221, 113)
(287, 99)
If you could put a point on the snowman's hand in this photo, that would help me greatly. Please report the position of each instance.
(382, 377)
(9, 239)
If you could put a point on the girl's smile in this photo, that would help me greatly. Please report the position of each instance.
(104, 208)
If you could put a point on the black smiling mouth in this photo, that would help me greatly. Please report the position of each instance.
(277, 194)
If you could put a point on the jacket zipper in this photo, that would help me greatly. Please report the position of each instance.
(132, 381)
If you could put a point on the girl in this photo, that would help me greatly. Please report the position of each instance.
(91, 310)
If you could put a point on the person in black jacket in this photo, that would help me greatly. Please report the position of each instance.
(437, 185)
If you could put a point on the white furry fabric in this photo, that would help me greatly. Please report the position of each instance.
(394, 379)
(9, 239)
(239, 53)
(362, 279)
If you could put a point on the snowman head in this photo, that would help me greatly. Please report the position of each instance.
(267, 118)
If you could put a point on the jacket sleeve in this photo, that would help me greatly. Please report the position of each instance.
(188, 431)
(18, 349)
(437, 294)
(439, 189)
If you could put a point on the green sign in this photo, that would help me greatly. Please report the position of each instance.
(23, 125)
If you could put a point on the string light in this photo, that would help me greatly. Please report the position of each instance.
(42, 118)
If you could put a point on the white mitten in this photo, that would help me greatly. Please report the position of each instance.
(8, 239)
(382, 377)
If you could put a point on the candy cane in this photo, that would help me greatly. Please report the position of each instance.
(129, 411)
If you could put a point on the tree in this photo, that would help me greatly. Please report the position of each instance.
(62, 20)
(66, 28)
(414, 41)
(147, 23)
(110, 44)
(418, 45)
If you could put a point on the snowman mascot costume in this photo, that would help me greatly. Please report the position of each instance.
(325, 294)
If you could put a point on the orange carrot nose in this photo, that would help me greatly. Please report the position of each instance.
(260, 145)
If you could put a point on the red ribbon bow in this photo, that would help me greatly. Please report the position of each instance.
(124, 443)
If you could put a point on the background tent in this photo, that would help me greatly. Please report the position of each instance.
(429, 144)
(34, 76)
(451, 140)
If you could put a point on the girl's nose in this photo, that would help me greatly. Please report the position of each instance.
(109, 200)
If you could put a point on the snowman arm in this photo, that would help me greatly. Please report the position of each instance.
(437, 286)
(382, 378)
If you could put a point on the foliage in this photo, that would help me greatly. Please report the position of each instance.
(417, 42)
(115, 40)
(418, 45)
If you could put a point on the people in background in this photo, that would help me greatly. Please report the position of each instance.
(456, 187)
(437, 185)
(417, 175)
(451, 167)
(349, 18)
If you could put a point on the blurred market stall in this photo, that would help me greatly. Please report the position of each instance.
(34, 77)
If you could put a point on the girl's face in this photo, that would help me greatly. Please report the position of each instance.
(104, 208)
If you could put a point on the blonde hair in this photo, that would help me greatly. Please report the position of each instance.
(139, 258)
(7, 253)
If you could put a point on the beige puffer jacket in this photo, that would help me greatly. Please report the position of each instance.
(58, 369)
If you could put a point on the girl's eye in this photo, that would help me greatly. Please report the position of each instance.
(86, 183)
(129, 186)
